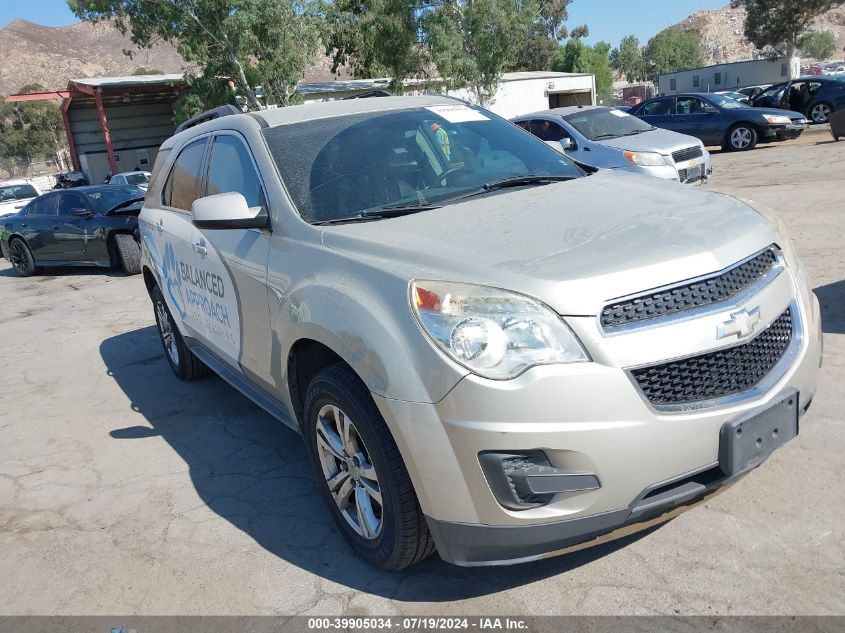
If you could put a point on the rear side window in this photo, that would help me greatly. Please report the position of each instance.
(44, 206)
(183, 183)
(230, 169)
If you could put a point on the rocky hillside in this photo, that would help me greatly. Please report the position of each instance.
(722, 32)
(32, 53)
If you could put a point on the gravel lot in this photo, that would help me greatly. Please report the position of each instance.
(125, 491)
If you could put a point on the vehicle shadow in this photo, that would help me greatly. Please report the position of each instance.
(66, 271)
(832, 302)
(254, 472)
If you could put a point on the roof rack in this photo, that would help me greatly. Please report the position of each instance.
(208, 115)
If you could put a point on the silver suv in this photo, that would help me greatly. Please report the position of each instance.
(488, 351)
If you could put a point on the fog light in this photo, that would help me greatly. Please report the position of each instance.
(526, 479)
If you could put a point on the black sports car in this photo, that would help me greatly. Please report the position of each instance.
(719, 120)
(85, 226)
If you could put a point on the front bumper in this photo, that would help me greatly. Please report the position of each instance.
(693, 171)
(586, 418)
(782, 132)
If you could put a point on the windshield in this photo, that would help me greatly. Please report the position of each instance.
(17, 192)
(607, 123)
(726, 102)
(106, 198)
(342, 166)
(137, 179)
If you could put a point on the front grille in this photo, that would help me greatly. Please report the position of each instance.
(719, 287)
(685, 176)
(687, 153)
(717, 374)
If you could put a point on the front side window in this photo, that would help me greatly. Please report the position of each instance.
(547, 130)
(70, 201)
(183, 183)
(341, 166)
(606, 123)
(230, 168)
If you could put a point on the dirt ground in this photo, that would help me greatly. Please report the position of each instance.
(126, 491)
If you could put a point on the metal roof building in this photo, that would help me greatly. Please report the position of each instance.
(115, 124)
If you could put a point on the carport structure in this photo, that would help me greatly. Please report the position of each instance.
(115, 124)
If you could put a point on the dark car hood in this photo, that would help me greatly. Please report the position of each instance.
(574, 245)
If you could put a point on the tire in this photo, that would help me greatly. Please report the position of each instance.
(182, 361)
(129, 253)
(396, 534)
(21, 258)
(819, 112)
(741, 138)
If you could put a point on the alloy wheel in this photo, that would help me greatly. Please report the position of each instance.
(168, 336)
(18, 257)
(349, 472)
(741, 138)
(820, 113)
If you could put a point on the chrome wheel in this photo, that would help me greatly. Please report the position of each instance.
(18, 256)
(741, 138)
(168, 336)
(348, 471)
(820, 113)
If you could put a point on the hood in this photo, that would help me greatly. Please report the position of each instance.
(574, 245)
(659, 140)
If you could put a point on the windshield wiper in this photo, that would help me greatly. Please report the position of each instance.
(126, 203)
(516, 181)
(380, 213)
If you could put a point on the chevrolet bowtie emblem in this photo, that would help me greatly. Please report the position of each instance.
(741, 324)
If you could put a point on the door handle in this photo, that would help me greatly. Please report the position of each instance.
(159, 225)
(199, 247)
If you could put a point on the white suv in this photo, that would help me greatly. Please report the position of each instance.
(488, 351)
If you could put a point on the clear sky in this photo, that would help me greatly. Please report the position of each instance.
(609, 20)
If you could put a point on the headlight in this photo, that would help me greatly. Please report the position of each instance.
(645, 159)
(493, 333)
(777, 119)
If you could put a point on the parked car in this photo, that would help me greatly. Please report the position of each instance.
(140, 179)
(816, 97)
(488, 351)
(14, 194)
(607, 138)
(736, 96)
(719, 120)
(85, 226)
(752, 91)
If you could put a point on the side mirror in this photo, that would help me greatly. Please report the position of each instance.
(81, 213)
(227, 211)
(566, 143)
(560, 146)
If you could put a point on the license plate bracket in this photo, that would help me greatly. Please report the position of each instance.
(746, 442)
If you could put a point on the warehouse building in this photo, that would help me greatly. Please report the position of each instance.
(729, 76)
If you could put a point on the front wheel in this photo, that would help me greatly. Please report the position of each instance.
(820, 113)
(129, 252)
(21, 258)
(742, 138)
(360, 472)
(182, 361)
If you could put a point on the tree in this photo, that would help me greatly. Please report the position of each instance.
(671, 50)
(472, 42)
(542, 39)
(817, 44)
(30, 130)
(778, 25)
(627, 59)
(577, 57)
(376, 37)
(265, 43)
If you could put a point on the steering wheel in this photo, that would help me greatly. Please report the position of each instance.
(443, 178)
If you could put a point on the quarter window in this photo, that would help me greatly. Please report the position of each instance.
(183, 183)
(230, 169)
